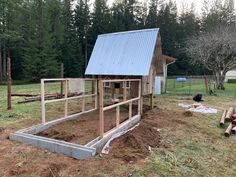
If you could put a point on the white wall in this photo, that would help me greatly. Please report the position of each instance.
(230, 75)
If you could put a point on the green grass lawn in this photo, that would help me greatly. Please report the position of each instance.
(198, 86)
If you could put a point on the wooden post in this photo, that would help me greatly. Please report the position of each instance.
(206, 84)
(66, 101)
(83, 102)
(112, 90)
(140, 98)
(101, 114)
(96, 92)
(42, 102)
(62, 76)
(8, 83)
(1, 63)
(124, 91)
(130, 110)
(151, 101)
(117, 116)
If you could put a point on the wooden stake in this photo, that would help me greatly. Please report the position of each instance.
(151, 101)
(130, 110)
(124, 91)
(140, 100)
(96, 92)
(9, 83)
(66, 101)
(62, 76)
(101, 113)
(206, 84)
(42, 102)
(83, 103)
(117, 116)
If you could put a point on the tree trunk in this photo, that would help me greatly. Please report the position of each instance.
(220, 80)
(1, 63)
(4, 66)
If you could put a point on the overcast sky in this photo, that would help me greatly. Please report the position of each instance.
(197, 3)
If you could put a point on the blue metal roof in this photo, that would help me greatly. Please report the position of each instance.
(124, 53)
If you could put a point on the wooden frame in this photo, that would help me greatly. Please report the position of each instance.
(66, 98)
(98, 94)
(117, 105)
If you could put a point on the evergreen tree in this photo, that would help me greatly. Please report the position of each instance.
(71, 48)
(101, 21)
(152, 14)
(82, 24)
(40, 54)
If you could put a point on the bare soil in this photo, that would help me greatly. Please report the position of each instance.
(128, 151)
(85, 128)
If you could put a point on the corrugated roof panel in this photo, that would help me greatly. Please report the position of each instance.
(125, 53)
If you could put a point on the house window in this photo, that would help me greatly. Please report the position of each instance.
(107, 84)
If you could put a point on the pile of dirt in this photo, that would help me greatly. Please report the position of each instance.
(53, 133)
(138, 143)
(187, 113)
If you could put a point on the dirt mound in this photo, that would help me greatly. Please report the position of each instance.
(52, 170)
(136, 144)
(187, 113)
(52, 133)
(1, 129)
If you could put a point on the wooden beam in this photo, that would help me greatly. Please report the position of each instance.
(130, 110)
(101, 113)
(83, 102)
(66, 100)
(119, 80)
(8, 83)
(120, 103)
(42, 102)
(63, 79)
(124, 91)
(62, 76)
(96, 93)
(139, 95)
(117, 116)
(151, 101)
(69, 98)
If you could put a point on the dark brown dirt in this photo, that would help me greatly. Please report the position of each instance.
(136, 144)
(52, 170)
(85, 128)
(187, 113)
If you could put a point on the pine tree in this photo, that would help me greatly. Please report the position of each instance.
(82, 24)
(101, 20)
(40, 55)
(71, 48)
(152, 14)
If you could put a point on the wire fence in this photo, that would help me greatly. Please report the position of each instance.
(191, 85)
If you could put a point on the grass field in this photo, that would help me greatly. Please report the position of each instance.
(195, 86)
(194, 146)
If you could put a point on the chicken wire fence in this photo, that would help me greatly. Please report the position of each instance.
(191, 85)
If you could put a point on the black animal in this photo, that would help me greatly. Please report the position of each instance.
(198, 98)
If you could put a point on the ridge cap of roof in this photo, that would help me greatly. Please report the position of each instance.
(129, 32)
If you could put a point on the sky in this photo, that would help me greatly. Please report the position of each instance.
(197, 3)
